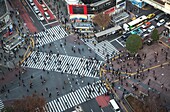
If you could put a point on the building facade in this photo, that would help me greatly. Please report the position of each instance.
(138, 3)
(163, 5)
(5, 20)
(86, 9)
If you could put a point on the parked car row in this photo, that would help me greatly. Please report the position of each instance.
(36, 10)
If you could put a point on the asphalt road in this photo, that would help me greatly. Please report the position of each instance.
(37, 23)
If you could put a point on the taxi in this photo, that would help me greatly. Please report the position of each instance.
(133, 18)
(150, 16)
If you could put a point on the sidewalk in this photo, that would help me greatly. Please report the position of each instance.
(150, 74)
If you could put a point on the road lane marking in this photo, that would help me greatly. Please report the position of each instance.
(43, 25)
(32, 19)
(28, 9)
(50, 23)
(120, 43)
(115, 39)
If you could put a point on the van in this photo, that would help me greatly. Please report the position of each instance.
(159, 16)
(126, 27)
(114, 105)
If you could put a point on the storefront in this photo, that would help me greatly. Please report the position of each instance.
(121, 18)
(138, 3)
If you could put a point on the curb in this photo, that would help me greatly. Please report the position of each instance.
(164, 43)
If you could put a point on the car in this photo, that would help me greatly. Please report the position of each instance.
(36, 9)
(150, 29)
(145, 36)
(159, 16)
(161, 22)
(46, 15)
(125, 36)
(44, 7)
(40, 16)
(31, 2)
(146, 25)
(40, 1)
(150, 16)
(133, 18)
(148, 41)
(137, 31)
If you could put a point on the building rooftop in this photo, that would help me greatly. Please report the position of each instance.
(2, 7)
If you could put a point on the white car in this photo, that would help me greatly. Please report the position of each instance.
(44, 7)
(161, 22)
(31, 2)
(46, 15)
(150, 29)
(40, 16)
(36, 9)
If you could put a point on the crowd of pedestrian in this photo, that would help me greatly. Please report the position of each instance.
(136, 67)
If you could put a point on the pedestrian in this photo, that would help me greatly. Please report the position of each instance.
(46, 89)
(50, 95)
(6, 95)
(41, 77)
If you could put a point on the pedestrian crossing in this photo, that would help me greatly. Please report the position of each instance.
(103, 48)
(49, 35)
(1, 105)
(75, 98)
(63, 63)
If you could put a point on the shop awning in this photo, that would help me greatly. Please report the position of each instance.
(78, 16)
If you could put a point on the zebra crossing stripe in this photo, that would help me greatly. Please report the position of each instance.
(1, 105)
(104, 46)
(75, 98)
(50, 35)
(69, 64)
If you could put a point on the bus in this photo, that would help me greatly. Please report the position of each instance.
(100, 36)
(83, 27)
(135, 23)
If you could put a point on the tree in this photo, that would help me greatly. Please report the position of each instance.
(7, 109)
(133, 43)
(102, 20)
(29, 104)
(155, 35)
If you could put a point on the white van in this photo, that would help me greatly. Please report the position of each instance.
(114, 105)
(126, 27)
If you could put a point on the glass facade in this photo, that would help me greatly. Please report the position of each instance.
(138, 3)
(101, 7)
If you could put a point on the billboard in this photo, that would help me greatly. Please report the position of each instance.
(77, 9)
